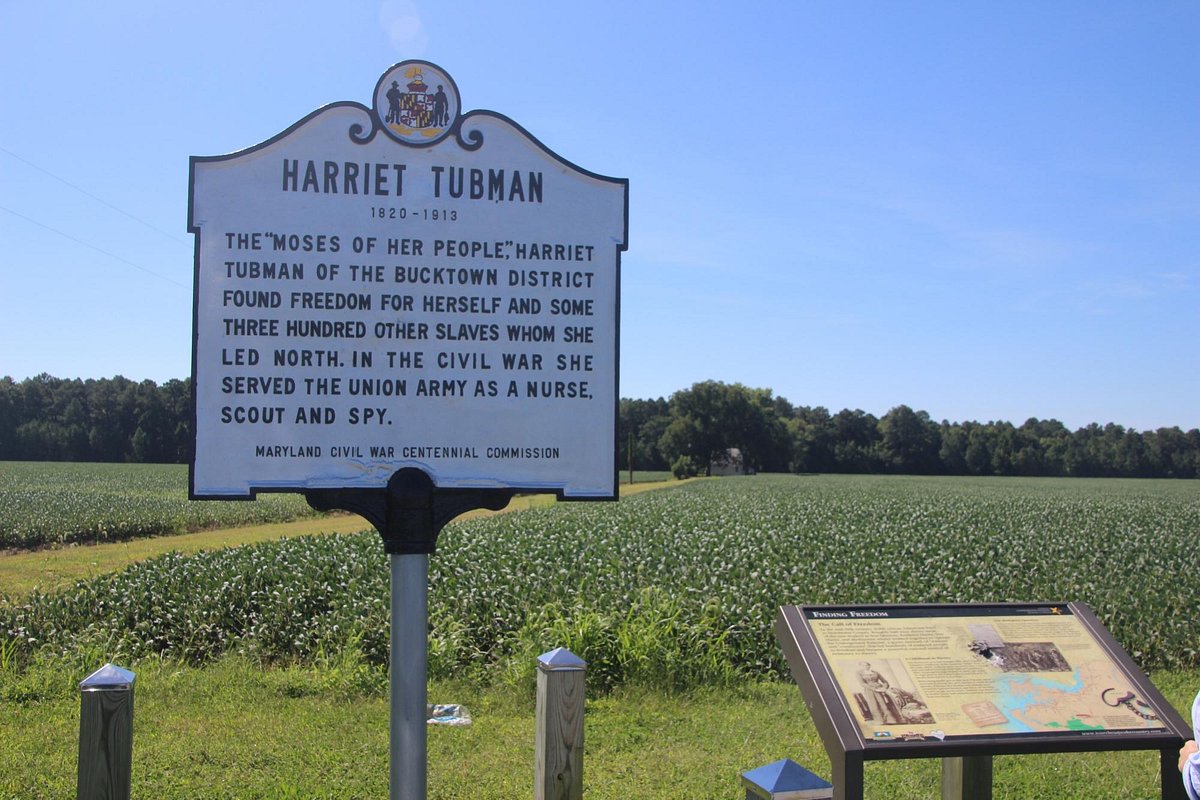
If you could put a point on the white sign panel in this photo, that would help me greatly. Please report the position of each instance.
(401, 286)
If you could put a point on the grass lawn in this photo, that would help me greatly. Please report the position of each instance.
(232, 730)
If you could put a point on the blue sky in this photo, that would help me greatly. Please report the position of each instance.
(981, 210)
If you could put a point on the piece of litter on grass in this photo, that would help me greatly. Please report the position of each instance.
(448, 714)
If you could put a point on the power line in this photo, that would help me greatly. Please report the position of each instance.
(100, 200)
(94, 247)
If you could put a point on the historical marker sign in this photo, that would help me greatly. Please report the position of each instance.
(405, 285)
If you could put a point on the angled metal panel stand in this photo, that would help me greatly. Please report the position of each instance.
(409, 515)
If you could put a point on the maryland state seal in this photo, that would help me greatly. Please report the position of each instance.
(417, 103)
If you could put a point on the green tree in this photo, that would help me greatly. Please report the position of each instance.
(953, 450)
(1170, 455)
(711, 417)
(1051, 438)
(813, 439)
(683, 438)
(978, 455)
(909, 442)
(9, 397)
(645, 421)
(855, 434)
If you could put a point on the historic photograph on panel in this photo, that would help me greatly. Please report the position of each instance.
(1033, 657)
(884, 692)
(1021, 656)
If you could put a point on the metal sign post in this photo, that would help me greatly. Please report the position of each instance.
(409, 515)
(407, 679)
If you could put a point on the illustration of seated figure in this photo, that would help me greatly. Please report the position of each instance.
(911, 708)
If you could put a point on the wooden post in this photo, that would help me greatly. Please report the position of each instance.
(629, 451)
(967, 778)
(105, 734)
(558, 756)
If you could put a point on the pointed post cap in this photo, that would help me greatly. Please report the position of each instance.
(560, 659)
(784, 780)
(108, 678)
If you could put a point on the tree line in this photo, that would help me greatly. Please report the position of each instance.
(118, 420)
(109, 419)
(697, 425)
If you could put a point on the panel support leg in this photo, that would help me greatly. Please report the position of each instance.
(1172, 781)
(847, 775)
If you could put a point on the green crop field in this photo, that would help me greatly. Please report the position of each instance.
(45, 503)
(672, 588)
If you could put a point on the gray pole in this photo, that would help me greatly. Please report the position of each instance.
(409, 711)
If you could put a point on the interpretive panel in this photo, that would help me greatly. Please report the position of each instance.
(405, 285)
(1004, 678)
(953, 673)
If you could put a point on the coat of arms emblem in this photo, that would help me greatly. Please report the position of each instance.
(417, 102)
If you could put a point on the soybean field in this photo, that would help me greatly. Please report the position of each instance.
(47, 503)
(671, 589)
